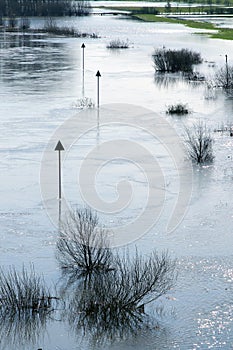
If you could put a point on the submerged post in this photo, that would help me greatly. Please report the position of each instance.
(59, 148)
(227, 72)
(98, 75)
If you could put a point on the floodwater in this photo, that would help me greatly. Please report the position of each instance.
(41, 80)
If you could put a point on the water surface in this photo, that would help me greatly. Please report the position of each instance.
(41, 79)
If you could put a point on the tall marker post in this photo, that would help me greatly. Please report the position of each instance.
(227, 73)
(83, 47)
(83, 65)
(98, 75)
(59, 148)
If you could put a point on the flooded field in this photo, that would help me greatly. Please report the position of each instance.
(40, 83)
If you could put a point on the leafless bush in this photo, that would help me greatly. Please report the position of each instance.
(224, 77)
(51, 26)
(118, 44)
(175, 60)
(85, 102)
(140, 280)
(23, 291)
(82, 246)
(195, 77)
(83, 8)
(179, 109)
(107, 292)
(199, 142)
(111, 305)
(102, 325)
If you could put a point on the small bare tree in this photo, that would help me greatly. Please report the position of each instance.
(82, 246)
(224, 77)
(199, 143)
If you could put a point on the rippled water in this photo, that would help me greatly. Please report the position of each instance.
(41, 79)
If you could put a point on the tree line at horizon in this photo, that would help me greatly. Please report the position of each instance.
(22, 8)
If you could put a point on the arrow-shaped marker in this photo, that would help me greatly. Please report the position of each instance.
(59, 148)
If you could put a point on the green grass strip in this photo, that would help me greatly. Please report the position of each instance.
(188, 23)
(223, 33)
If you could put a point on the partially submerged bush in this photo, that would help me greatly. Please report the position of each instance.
(175, 60)
(51, 26)
(118, 44)
(85, 102)
(179, 108)
(139, 279)
(82, 8)
(199, 142)
(111, 305)
(195, 77)
(107, 292)
(224, 77)
(82, 245)
(23, 291)
(101, 324)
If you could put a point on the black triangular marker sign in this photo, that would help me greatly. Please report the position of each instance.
(59, 147)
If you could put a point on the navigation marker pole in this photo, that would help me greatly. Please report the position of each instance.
(59, 148)
(98, 75)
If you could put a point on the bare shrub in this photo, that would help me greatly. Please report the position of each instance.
(85, 102)
(140, 280)
(107, 292)
(179, 109)
(175, 60)
(111, 305)
(82, 8)
(224, 77)
(51, 26)
(23, 291)
(118, 44)
(100, 324)
(199, 142)
(82, 246)
(195, 77)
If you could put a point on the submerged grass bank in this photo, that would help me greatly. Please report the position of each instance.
(188, 23)
(221, 33)
(157, 15)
